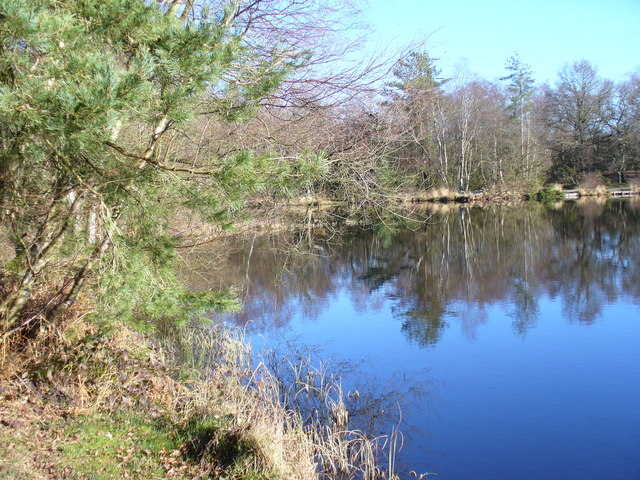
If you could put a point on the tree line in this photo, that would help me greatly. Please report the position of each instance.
(122, 120)
(467, 133)
(415, 129)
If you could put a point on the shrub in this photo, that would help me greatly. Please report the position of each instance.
(548, 194)
(592, 183)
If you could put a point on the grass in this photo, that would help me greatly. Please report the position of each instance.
(132, 445)
(85, 402)
(442, 194)
(13, 464)
(124, 445)
(592, 184)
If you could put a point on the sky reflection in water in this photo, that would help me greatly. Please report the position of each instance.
(519, 328)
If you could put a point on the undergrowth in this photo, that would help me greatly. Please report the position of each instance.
(84, 401)
(549, 195)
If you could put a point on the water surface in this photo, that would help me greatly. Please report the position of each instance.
(514, 332)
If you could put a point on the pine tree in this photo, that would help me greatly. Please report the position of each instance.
(89, 90)
(521, 90)
(417, 92)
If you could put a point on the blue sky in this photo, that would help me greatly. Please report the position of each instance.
(483, 34)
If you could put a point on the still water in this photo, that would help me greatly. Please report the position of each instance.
(511, 335)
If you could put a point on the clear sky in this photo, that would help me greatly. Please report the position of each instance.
(484, 33)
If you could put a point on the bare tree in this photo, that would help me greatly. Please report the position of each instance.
(575, 113)
(623, 122)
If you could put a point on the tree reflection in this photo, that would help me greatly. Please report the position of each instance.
(459, 263)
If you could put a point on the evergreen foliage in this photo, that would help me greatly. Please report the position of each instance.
(520, 87)
(415, 75)
(88, 90)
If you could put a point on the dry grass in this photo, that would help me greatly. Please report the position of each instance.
(442, 194)
(592, 184)
(437, 194)
(196, 389)
(295, 447)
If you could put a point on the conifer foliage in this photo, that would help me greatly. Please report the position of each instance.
(88, 91)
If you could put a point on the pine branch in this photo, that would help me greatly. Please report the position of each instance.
(159, 165)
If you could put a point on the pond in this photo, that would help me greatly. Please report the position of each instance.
(511, 334)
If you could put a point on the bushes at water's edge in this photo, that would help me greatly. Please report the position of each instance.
(549, 194)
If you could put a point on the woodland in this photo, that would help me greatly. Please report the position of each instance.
(121, 119)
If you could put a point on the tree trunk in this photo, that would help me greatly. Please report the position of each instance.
(48, 238)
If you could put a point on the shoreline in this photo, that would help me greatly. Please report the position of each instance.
(304, 211)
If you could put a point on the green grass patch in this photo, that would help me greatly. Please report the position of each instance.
(130, 445)
(123, 445)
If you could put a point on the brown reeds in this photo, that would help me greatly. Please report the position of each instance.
(268, 410)
(232, 417)
(592, 184)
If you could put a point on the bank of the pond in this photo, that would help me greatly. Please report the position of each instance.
(299, 212)
(78, 401)
(481, 197)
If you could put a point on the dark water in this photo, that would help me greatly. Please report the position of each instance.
(513, 332)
